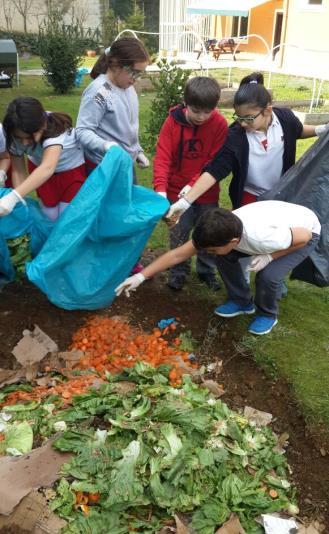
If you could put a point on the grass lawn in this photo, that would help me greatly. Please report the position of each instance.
(34, 62)
(298, 348)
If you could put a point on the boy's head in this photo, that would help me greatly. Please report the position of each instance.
(201, 97)
(218, 231)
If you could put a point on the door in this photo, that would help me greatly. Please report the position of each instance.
(277, 32)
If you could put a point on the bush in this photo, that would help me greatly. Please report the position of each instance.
(25, 42)
(169, 88)
(61, 49)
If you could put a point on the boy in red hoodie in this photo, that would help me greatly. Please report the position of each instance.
(189, 138)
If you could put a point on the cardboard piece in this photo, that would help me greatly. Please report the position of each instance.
(232, 526)
(20, 475)
(33, 347)
(257, 416)
(215, 388)
(71, 357)
(33, 515)
(8, 376)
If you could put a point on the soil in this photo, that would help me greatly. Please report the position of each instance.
(22, 306)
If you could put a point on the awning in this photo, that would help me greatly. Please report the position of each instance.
(235, 8)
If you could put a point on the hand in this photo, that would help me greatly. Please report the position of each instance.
(8, 202)
(259, 262)
(109, 144)
(321, 129)
(162, 194)
(184, 191)
(176, 211)
(130, 284)
(142, 161)
(3, 178)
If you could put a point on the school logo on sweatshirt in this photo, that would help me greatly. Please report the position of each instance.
(193, 148)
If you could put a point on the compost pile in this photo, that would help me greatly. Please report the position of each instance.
(146, 443)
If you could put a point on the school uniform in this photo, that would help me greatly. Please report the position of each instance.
(267, 229)
(70, 172)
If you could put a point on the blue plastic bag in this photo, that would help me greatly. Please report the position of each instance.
(23, 220)
(99, 237)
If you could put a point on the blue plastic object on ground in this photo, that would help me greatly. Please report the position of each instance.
(166, 322)
(98, 238)
(81, 71)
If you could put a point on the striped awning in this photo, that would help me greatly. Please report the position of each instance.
(235, 8)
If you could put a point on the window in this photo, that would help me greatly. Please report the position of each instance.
(239, 26)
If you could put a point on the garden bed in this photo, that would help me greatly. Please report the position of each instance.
(244, 382)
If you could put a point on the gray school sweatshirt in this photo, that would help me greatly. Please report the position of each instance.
(107, 113)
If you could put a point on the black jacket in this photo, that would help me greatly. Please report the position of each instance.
(234, 155)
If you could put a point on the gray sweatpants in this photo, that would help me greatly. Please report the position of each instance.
(268, 281)
(180, 234)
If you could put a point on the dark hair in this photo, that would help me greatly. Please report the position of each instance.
(252, 92)
(28, 115)
(124, 52)
(202, 92)
(216, 228)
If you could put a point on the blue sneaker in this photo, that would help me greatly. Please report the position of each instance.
(232, 309)
(262, 325)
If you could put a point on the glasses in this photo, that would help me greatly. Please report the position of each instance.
(248, 119)
(134, 74)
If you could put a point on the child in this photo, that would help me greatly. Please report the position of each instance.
(190, 138)
(4, 160)
(55, 160)
(277, 236)
(259, 149)
(109, 106)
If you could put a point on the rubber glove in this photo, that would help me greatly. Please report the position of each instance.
(259, 262)
(3, 178)
(8, 202)
(142, 161)
(321, 129)
(109, 144)
(162, 194)
(130, 284)
(184, 191)
(176, 210)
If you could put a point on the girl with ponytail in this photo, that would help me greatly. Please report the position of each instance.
(54, 159)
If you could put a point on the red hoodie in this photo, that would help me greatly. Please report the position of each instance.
(183, 150)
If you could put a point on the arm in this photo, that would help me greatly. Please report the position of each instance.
(308, 131)
(163, 158)
(42, 173)
(19, 172)
(4, 161)
(299, 239)
(167, 260)
(91, 113)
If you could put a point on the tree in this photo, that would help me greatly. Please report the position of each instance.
(135, 20)
(8, 10)
(23, 7)
(109, 27)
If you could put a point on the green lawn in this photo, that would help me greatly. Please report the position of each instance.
(298, 348)
(34, 62)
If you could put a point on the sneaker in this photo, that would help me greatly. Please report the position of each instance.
(232, 309)
(176, 282)
(210, 280)
(137, 268)
(262, 325)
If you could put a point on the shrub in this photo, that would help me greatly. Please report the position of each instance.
(169, 89)
(61, 49)
(25, 42)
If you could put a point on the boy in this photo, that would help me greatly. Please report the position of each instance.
(277, 236)
(188, 140)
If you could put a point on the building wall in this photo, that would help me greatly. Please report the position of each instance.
(307, 28)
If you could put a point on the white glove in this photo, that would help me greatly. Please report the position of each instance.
(3, 178)
(142, 161)
(130, 284)
(162, 194)
(8, 202)
(109, 144)
(177, 209)
(259, 262)
(184, 191)
(321, 129)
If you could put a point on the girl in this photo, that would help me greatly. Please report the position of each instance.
(55, 160)
(109, 106)
(259, 149)
(4, 160)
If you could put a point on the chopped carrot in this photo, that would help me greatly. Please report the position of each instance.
(273, 493)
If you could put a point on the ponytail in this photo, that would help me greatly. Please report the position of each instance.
(57, 124)
(124, 52)
(252, 92)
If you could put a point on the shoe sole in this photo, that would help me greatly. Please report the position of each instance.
(235, 314)
(262, 333)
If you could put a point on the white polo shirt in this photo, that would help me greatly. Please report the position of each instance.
(267, 225)
(265, 158)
